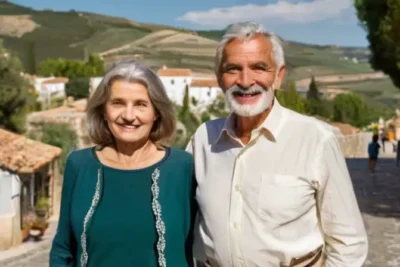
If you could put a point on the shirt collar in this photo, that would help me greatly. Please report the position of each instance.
(269, 127)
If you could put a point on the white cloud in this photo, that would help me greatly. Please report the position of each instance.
(281, 11)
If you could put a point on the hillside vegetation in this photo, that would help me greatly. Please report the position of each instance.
(71, 35)
(37, 35)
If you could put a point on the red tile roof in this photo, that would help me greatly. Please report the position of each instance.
(204, 83)
(166, 72)
(24, 155)
(56, 80)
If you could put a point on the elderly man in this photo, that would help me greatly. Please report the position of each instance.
(273, 186)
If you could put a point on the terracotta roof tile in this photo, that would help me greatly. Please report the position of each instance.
(24, 155)
(204, 83)
(56, 80)
(76, 106)
(174, 72)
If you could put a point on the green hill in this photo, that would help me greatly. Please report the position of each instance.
(71, 35)
(37, 35)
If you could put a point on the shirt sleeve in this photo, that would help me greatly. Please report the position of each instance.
(63, 250)
(189, 146)
(198, 247)
(346, 243)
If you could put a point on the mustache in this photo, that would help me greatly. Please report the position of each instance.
(250, 90)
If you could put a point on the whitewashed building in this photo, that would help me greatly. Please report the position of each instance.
(10, 214)
(94, 83)
(204, 91)
(45, 86)
(28, 171)
(175, 82)
(53, 87)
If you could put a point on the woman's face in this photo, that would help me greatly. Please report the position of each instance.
(129, 113)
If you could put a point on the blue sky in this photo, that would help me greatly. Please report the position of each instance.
(310, 21)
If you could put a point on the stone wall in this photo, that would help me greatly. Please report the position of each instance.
(55, 189)
(76, 120)
(355, 145)
(10, 230)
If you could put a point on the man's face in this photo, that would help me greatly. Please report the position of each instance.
(249, 75)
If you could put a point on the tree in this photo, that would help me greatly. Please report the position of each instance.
(350, 108)
(381, 20)
(78, 88)
(60, 135)
(94, 66)
(15, 98)
(314, 104)
(217, 107)
(322, 108)
(205, 116)
(186, 103)
(291, 99)
(313, 92)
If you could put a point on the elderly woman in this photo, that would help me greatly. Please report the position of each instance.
(128, 201)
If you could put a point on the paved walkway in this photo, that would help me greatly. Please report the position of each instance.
(379, 200)
(31, 253)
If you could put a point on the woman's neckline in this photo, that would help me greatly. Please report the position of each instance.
(152, 166)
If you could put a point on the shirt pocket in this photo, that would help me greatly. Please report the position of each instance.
(283, 198)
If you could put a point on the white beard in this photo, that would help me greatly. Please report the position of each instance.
(248, 110)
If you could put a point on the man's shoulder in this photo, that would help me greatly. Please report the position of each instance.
(310, 124)
(210, 129)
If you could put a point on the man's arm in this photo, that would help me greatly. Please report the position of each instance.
(189, 146)
(198, 250)
(341, 221)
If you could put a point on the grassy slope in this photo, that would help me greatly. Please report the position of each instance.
(74, 35)
(71, 34)
(381, 90)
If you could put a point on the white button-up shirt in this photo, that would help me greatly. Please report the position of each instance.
(281, 196)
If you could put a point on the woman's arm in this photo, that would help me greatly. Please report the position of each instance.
(63, 251)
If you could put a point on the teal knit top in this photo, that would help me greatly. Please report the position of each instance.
(108, 216)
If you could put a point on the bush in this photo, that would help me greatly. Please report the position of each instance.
(78, 88)
(62, 136)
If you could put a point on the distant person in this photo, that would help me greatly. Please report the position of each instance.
(392, 139)
(128, 201)
(398, 152)
(382, 137)
(373, 152)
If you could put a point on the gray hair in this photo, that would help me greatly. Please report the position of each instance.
(163, 131)
(243, 30)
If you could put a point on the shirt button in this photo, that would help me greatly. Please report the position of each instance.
(237, 187)
(235, 225)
